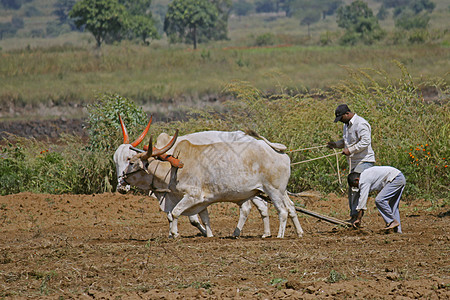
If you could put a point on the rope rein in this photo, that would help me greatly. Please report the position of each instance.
(317, 147)
(300, 162)
(328, 155)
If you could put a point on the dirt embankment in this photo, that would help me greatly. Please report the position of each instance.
(44, 129)
(110, 246)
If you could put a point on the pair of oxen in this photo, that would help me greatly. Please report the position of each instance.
(188, 173)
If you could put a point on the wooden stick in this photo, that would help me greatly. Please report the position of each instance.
(322, 217)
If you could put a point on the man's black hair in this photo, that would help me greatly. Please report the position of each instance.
(352, 177)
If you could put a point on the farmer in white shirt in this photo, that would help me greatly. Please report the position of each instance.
(390, 182)
(356, 143)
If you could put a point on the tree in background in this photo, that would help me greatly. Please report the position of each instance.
(382, 13)
(242, 8)
(265, 6)
(100, 17)
(310, 12)
(220, 29)
(13, 4)
(311, 16)
(61, 11)
(359, 22)
(185, 17)
(114, 20)
(300, 8)
(10, 28)
(138, 20)
(413, 15)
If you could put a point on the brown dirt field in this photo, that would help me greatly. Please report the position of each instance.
(111, 246)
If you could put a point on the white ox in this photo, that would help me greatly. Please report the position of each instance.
(226, 171)
(125, 151)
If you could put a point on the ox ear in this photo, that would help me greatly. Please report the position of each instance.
(143, 134)
(148, 154)
(126, 139)
(166, 148)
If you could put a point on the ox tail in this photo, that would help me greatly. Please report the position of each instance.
(275, 146)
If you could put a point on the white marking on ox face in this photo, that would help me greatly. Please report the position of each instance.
(121, 159)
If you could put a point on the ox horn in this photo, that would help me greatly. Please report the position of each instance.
(166, 148)
(126, 140)
(143, 134)
(148, 154)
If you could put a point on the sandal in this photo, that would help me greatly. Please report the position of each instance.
(392, 225)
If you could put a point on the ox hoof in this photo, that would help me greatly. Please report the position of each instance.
(265, 236)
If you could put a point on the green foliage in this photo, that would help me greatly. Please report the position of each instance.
(185, 17)
(265, 39)
(359, 22)
(138, 21)
(10, 28)
(104, 126)
(242, 7)
(100, 17)
(70, 167)
(312, 11)
(278, 282)
(61, 11)
(335, 277)
(382, 13)
(28, 165)
(408, 20)
(418, 36)
(13, 4)
(220, 29)
(265, 6)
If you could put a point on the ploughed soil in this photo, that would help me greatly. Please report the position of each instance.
(112, 246)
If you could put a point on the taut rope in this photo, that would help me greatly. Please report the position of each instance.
(328, 155)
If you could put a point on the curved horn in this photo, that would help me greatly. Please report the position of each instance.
(148, 154)
(142, 136)
(166, 148)
(126, 140)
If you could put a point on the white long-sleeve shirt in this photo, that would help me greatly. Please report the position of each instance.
(357, 138)
(374, 179)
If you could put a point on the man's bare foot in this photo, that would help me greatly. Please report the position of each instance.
(356, 223)
(392, 225)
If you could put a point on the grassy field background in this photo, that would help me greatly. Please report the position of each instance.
(69, 70)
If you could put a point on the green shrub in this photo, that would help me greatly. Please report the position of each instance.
(265, 39)
(29, 165)
(104, 126)
(71, 166)
(418, 36)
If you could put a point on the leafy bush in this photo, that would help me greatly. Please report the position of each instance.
(265, 39)
(418, 36)
(28, 165)
(104, 126)
(71, 167)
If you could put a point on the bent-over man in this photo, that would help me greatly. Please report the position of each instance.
(390, 182)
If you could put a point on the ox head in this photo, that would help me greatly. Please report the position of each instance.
(124, 152)
(142, 168)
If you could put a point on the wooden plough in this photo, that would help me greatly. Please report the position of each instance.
(323, 217)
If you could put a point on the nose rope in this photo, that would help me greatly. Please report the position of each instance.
(153, 189)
